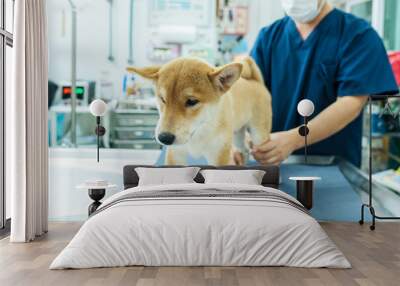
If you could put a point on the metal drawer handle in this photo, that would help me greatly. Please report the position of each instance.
(139, 133)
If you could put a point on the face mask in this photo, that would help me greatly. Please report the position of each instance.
(303, 11)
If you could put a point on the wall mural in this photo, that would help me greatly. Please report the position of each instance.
(168, 109)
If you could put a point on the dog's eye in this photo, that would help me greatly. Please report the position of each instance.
(162, 100)
(191, 102)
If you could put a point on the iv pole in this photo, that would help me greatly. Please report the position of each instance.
(73, 72)
(110, 37)
(130, 36)
(73, 66)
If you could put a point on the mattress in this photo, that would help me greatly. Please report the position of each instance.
(201, 225)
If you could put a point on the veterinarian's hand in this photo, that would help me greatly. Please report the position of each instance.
(277, 148)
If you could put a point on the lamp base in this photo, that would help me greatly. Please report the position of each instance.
(96, 195)
(305, 193)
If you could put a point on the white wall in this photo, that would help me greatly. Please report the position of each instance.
(92, 39)
(262, 13)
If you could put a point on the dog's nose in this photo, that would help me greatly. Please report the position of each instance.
(166, 138)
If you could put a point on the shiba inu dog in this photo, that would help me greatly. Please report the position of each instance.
(206, 111)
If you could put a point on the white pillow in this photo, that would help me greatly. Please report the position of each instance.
(166, 176)
(247, 177)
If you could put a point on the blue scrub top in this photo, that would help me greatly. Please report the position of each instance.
(342, 56)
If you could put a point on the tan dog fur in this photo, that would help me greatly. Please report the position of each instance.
(231, 99)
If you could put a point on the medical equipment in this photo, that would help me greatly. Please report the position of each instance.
(105, 84)
(177, 34)
(394, 58)
(163, 52)
(369, 205)
(84, 92)
(129, 85)
(232, 27)
(199, 13)
(133, 128)
(235, 20)
(168, 41)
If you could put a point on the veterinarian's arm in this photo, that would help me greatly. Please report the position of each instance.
(333, 119)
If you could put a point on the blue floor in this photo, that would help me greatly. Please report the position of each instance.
(334, 198)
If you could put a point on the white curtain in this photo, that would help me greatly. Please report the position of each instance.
(27, 145)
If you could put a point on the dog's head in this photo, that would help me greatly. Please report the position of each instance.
(188, 91)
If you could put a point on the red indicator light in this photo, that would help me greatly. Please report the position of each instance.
(67, 90)
(79, 90)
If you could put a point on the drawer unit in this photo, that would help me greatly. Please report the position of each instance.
(134, 133)
(135, 144)
(133, 129)
(136, 119)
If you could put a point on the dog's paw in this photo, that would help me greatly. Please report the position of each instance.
(240, 158)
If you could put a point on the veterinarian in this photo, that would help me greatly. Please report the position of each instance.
(330, 57)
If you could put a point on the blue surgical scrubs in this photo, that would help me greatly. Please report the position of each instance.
(343, 56)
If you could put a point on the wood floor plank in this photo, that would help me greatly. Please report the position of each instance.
(375, 258)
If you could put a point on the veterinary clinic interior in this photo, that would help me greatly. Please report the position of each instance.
(92, 45)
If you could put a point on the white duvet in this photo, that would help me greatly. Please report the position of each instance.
(200, 231)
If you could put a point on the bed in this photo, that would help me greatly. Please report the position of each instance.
(201, 224)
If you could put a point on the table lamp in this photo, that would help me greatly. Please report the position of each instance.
(305, 108)
(98, 108)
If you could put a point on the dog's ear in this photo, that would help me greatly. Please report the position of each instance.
(147, 72)
(224, 77)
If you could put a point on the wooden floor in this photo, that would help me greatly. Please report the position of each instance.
(375, 257)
